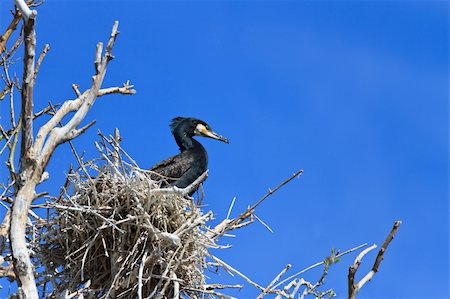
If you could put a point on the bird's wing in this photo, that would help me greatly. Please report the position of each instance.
(173, 167)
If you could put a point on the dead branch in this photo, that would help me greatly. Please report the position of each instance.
(126, 89)
(353, 288)
(11, 28)
(318, 264)
(231, 224)
(34, 156)
(21, 258)
(229, 268)
(27, 85)
(182, 191)
(26, 12)
(41, 58)
(269, 287)
(8, 54)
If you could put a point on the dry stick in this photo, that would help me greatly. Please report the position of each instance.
(76, 90)
(263, 223)
(11, 28)
(227, 225)
(40, 59)
(220, 286)
(286, 288)
(11, 106)
(231, 269)
(230, 208)
(122, 150)
(297, 285)
(181, 191)
(12, 152)
(141, 272)
(166, 270)
(140, 240)
(267, 289)
(91, 243)
(354, 289)
(318, 264)
(13, 49)
(176, 286)
(126, 89)
(295, 175)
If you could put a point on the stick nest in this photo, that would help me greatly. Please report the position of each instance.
(120, 235)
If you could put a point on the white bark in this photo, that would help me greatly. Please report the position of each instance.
(35, 156)
(25, 10)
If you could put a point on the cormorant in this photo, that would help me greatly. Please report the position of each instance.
(183, 169)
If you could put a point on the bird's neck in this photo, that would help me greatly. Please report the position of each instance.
(187, 143)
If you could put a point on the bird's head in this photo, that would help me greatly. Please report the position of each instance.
(189, 126)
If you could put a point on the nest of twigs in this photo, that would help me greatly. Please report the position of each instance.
(120, 235)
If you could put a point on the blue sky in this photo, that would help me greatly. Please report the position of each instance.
(353, 92)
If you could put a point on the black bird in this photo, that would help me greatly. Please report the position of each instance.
(183, 169)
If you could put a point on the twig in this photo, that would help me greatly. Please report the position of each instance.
(11, 106)
(230, 208)
(176, 286)
(127, 89)
(354, 289)
(182, 191)
(11, 51)
(228, 224)
(76, 90)
(319, 264)
(40, 59)
(140, 240)
(269, 287)
(11, 28)
(231, 269)
(141, 271)
(263, 223)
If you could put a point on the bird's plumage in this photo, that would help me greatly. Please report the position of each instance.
(183, 169)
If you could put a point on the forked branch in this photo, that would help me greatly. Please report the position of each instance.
(35, 155)
(354, 288)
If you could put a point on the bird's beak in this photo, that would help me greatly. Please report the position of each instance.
(201, 130)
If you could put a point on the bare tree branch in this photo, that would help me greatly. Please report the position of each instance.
(182, 191)
(9, 53)
(21, 258)
(126, 89)
(27, 13)
(41, 58)
(11, 28)
(228, 224)
(318, 264)
(353, 288)
(27, 89)
(35, 156)
(277, 278)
